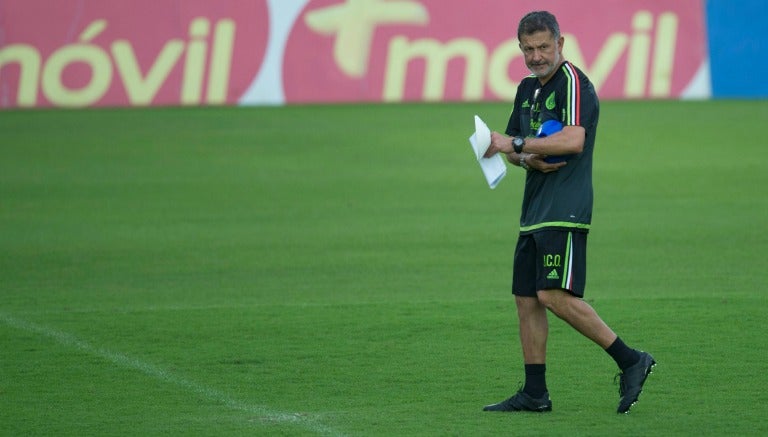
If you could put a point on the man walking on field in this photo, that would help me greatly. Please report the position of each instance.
(551, 253)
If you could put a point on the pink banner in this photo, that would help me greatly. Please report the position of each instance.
(80, 53)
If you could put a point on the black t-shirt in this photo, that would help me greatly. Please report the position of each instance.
(561, 199)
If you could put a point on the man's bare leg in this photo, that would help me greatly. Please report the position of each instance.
(534, 329)
(579, 314)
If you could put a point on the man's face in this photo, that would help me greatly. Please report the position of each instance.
(543, 53)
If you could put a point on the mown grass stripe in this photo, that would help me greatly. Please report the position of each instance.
(125, 361)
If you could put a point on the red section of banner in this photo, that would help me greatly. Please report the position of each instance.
(425, 50)
(76, 53)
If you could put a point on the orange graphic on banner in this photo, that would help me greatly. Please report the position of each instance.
(353, 23)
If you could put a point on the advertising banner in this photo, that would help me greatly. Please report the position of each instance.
(83, 53)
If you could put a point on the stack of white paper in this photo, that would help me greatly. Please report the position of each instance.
(494, 167)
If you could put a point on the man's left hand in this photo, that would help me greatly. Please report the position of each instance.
(536, 162)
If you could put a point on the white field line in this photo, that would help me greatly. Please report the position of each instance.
(121, 360)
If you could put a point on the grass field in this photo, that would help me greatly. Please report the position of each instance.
(345, 270)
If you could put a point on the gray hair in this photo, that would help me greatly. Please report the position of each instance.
(538, 21)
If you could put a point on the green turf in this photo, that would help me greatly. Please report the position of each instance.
(344, 270)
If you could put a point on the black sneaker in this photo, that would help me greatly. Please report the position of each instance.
(631, 381)
(521, 401)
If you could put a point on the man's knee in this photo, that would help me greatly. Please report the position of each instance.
(527, 305)
(526, 301)
(553, 299)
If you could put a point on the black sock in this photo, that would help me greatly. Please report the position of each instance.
(624, 355)
(535, 380)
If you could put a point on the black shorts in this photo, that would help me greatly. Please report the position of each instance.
(550, 260)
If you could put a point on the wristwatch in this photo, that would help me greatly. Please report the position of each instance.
(518, 143)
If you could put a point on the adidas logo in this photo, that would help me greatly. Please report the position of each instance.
(553, 275)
